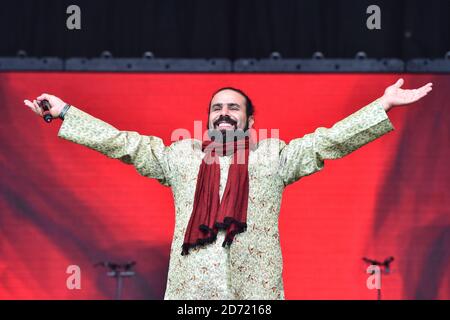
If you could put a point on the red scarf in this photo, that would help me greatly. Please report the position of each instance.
(209, 213)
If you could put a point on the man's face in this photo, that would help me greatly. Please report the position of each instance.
(228, 111)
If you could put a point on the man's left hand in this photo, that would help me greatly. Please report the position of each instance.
(396, 96)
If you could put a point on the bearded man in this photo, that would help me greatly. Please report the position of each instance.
(227, 192)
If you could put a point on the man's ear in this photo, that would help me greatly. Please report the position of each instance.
(251, 121)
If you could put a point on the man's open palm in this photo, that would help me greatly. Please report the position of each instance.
(396, 96)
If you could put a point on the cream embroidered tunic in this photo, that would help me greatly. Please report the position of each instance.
(252, 267)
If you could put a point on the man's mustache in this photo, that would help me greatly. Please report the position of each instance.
(226, 119)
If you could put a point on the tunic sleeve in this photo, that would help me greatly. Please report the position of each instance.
(147, 154)
(306, 155)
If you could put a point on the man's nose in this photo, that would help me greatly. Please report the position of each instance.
(224, 111)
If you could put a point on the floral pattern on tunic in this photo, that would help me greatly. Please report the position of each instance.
(251, 268)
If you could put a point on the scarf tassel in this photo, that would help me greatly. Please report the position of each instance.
(241, 227)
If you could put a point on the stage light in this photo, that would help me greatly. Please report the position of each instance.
(106, 54)
(361, 55)
(21, 54)
(148, 55)
(318, 55)
(275, 55)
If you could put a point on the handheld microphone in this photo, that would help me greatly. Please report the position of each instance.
(45, 105)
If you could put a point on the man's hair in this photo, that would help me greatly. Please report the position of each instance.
(249, 108)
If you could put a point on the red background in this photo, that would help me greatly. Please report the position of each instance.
(63, 204)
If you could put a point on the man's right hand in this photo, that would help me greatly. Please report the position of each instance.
(56, 105)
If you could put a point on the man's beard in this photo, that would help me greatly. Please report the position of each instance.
(223, 135)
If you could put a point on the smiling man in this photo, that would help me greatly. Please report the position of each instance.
(230, 109)
(227, 192)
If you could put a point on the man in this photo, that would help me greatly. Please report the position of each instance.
(226, 241)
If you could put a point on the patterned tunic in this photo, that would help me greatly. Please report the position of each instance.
(251, 268)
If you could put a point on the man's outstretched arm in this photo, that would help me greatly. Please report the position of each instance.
(306, 155)
(146, 153)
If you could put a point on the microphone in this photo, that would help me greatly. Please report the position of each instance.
(45, 105)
